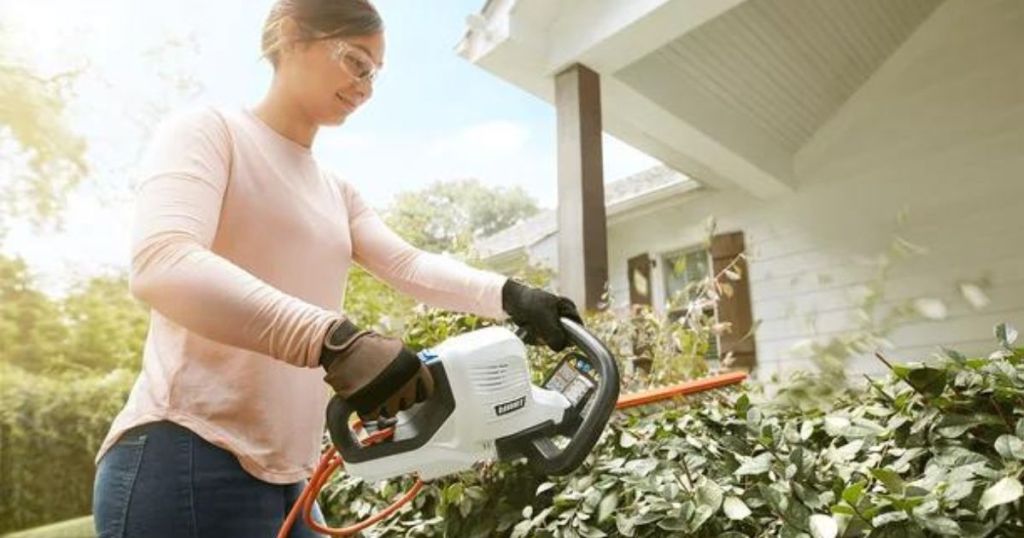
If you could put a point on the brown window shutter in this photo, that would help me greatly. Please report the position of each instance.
(735, 309)
(639, 273)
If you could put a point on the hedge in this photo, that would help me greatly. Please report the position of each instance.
(932, 449)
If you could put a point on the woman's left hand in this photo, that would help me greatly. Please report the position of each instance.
(538, 312)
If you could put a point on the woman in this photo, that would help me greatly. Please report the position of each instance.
(241, 247)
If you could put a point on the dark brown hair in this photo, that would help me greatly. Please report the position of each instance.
(318, 19)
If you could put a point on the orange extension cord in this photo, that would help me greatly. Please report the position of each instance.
(330, 461)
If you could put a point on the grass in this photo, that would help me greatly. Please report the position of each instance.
(73, 528)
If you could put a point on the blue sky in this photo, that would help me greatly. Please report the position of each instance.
(433, 116)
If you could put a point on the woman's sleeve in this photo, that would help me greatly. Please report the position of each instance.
(429, 278)
(184, 176)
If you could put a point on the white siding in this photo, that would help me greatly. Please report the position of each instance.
(937, 130)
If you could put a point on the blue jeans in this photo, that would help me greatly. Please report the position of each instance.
(163, 480)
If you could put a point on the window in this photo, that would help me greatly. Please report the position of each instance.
(670, 274)
(681, 269)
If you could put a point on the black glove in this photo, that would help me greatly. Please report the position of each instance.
(377, 375)
(538, 312)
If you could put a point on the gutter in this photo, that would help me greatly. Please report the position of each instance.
(484, 30)
(622, 209)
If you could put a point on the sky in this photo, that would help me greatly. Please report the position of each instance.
(434, 116)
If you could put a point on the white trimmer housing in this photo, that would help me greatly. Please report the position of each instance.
(490, 384)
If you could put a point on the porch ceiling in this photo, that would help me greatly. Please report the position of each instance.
(726, 91)
(781, 67)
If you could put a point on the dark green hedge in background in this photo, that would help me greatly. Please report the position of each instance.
(50, 429)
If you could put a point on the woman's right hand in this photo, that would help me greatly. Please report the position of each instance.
(376, 374)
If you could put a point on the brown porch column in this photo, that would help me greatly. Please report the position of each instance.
(582, 234)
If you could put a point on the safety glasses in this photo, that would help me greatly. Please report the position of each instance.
(356, 62)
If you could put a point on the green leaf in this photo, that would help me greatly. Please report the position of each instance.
(591, 499)
(927, 380)
(953, 426)
(890, 479)
(756, 465)
(625, 524)
(742, 405)
(958, 490)
(591, 532)
(627, 440)
(853, 493)
(701, 515)
(642, 467)
(806, 430)
(1010, 447)
(648, 517)
(673, 524)
(843, 509)
(753, 418)
(823, 526)
(608, 505)
(882, 520)
(566, 499)
(846, 452)
(775, 498)
(927, 508)
(835, 426)
(862, 427)
(709, 494)
(810, 497)
(1006, 335)
(476, 493)
(453, 493)
(522, 529)
(955, 456)
(901, 370)
(941, 525)
(735, 508)
(544, 487)
(1005, 491)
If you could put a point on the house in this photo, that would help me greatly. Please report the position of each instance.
(535, 239)
(817, 133)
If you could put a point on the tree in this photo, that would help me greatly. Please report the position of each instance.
(106, 326)
(98, 327)
(44, 160)
(32, 334)
(444, 217)
(447, 216)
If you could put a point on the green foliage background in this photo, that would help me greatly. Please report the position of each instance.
(66, 366)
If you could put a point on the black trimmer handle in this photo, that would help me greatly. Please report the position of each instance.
(545, 456)
(421, 426)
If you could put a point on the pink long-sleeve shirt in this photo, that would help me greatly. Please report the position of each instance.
(241, 247)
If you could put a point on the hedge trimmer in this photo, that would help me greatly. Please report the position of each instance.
(485, 408)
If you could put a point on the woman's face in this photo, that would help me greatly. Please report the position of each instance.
(331, 78)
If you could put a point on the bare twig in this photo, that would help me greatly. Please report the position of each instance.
(871, 383)
(1002, 415)
(905, 380)
(686, 468)
(884, 361)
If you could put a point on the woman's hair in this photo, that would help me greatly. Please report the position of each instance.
(318, 19)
